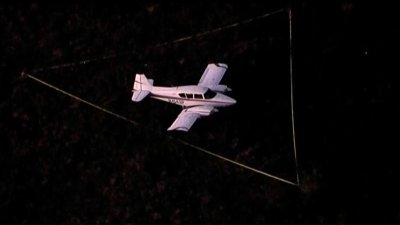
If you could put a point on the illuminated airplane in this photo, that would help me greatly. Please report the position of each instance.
(197, 100)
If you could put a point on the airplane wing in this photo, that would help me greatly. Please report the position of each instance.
(187, 117)
(213, 75)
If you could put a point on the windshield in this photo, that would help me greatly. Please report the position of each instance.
(209, 94)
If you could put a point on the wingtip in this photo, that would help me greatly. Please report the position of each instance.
(178, 129)
(222, 65)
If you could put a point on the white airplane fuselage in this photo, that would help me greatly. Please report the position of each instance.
(197, 100)
(191, 95)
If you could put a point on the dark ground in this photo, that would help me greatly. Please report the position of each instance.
(63, 162)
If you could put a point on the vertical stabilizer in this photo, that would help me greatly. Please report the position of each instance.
(141, 88)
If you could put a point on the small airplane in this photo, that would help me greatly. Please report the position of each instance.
(197, 100)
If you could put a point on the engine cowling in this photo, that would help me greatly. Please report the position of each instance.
(220, 88)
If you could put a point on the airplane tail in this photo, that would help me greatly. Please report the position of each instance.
(141, 88)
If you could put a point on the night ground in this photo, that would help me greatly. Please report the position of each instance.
(65, 162)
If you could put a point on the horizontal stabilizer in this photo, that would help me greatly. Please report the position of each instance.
(139, 95)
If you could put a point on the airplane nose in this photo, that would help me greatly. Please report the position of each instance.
(231, 101)
(225, 99)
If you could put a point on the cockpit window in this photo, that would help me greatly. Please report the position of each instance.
(198, 96)
(189, 95)
(182, 95)
(209, 94)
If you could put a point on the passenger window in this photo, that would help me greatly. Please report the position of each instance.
(182, 95)
(189, 95)
(198, 96)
